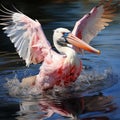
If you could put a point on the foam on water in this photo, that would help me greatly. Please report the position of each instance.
(16, 90)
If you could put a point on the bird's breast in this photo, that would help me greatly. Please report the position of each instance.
(58, 70)
(69, 72)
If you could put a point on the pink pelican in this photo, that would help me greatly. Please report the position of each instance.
(32, 45)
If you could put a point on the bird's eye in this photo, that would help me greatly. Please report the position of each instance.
(63, 33)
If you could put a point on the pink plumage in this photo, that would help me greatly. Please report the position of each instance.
(32, 45)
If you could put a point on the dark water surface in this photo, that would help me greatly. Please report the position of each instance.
(96, 94)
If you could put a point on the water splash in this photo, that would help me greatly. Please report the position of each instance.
(91, 81)
(95, 80)
(16, 90)
(88, 81)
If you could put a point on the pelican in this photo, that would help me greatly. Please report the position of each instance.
(62, 67)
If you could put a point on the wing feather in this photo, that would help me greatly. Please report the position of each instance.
(26, 34)
(96, 20)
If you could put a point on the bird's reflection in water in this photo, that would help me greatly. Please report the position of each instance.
(67, 106)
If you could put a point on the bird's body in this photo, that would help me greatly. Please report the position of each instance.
(32, 45)
(59, 69)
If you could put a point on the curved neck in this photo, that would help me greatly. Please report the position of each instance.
(68, 51)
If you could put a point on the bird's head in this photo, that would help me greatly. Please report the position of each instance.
(58, 37)
(62, 37)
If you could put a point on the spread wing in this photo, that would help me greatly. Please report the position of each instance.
(96, 20)
(26, 34)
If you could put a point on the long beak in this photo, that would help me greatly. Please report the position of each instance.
(81, 44)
